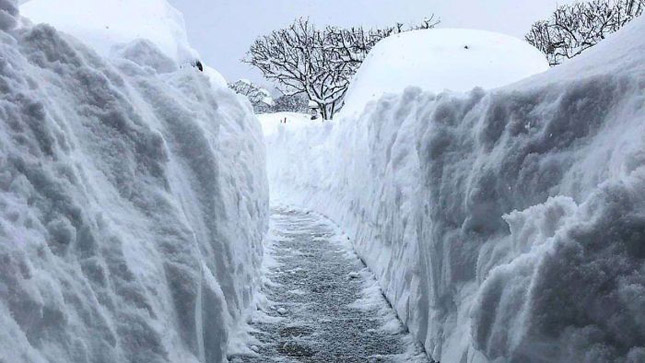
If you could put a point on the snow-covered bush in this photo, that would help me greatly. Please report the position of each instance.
(133, 202)
(441, 59)
(291, 103)
(259, 97)
(574, 28)
(503, 225)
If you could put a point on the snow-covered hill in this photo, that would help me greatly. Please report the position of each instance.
(504, 225)
(133, 203)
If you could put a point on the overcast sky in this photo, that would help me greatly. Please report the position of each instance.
(223, 30)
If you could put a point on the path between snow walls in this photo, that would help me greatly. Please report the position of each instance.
(133, 203)
(503, 225)
(322, 304)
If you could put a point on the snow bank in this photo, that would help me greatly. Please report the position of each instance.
(504, 225)
(216, 78)
(106, 23)
(440, 59)
(133, 203)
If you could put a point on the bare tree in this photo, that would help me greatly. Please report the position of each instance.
(574, 28)
(318, 63)
(298, 58)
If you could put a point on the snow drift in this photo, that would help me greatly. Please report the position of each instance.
(133, 202)
(504, 225)
(109, 23)
(441, 59)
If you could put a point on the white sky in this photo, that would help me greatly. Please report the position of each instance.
(223, 30)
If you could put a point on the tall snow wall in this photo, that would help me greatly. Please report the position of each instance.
(133, 202)
(503, 225)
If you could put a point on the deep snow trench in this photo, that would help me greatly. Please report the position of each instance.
(324, 304)
(503, 225)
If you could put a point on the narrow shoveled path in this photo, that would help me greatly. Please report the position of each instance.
(323, 304)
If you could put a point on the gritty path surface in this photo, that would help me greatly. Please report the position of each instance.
(324, 305)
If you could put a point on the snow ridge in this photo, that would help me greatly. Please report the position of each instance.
(133, 203)
(108, 23)
(503, 225)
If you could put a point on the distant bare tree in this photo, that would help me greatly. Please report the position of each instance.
(259, 97)
(318, 63)
(574, 28)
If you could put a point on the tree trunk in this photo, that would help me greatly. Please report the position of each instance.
(323, 111)
(333, 110)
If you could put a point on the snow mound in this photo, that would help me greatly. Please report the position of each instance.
(106, 23)
(505, 225)
(133, 203)
(216, 78)
(442, 59)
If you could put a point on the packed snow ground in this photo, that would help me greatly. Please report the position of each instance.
(133, 203)
(323, 304)
(503, 225)
(273, 123)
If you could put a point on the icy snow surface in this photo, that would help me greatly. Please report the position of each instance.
(503, 225)
(133, 203)
(103, 24)
(322, 304)
(442, 59)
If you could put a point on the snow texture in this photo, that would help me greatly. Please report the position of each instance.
(133, 203)
(8, 14)
(107, 23)
(503, 225)
(441, 59)
(216, 78)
